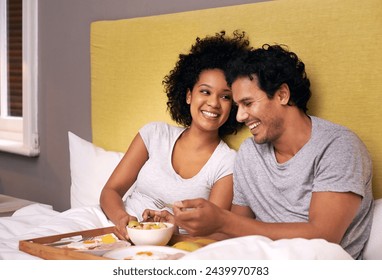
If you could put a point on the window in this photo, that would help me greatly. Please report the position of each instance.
(18, 77)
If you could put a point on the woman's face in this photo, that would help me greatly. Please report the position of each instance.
(210, 100)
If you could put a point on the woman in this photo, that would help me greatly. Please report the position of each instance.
(174, 163)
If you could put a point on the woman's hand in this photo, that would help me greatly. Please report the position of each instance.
(158, 216)
(121, 231)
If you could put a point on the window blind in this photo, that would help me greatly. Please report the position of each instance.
(15, 65)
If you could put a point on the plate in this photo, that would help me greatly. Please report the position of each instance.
(146, 253)
(98, 245)
(104, 248)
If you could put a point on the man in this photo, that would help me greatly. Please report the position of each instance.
(299, 175)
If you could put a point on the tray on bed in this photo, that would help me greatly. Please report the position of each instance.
(39, 248)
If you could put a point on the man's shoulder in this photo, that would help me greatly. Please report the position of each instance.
(322, 126)
(323, 123)
(336, 135)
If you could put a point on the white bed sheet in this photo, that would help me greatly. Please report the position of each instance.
(255, 247)
(39, 220)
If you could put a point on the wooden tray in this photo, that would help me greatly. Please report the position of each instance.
(37, 248)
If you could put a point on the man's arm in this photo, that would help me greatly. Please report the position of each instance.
(330, 215)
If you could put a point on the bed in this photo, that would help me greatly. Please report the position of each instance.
(39, 220)
(120, 94)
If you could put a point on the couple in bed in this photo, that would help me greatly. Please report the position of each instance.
(298, 176)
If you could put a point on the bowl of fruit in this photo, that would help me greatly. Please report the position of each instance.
(150, 233)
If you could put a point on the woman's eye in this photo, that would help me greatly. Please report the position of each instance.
(227, 97)
(205, 91)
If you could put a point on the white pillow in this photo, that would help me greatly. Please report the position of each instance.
(90, 168)
(373, 249)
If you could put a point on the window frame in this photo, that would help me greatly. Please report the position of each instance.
(19, 135)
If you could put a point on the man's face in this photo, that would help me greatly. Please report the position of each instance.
(259, 113)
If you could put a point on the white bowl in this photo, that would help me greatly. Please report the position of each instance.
(159, 237)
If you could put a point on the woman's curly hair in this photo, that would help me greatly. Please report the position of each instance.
(211, 52)
(273, 65)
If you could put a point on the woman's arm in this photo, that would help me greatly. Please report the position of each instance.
(120, 182)
(222, 192)
(221, 195)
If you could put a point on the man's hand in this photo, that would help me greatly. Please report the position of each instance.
(198, 217)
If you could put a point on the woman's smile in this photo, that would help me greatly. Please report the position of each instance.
(210, 114)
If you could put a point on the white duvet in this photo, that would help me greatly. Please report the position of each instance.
(39, 220)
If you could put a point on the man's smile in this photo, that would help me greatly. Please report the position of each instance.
(253, 125)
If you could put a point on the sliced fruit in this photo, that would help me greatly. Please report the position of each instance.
(187, 245)
(108, 239)
(204, 241)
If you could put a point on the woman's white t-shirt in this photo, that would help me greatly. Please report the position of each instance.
(158, 179)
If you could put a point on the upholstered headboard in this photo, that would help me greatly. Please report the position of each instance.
(339, 41)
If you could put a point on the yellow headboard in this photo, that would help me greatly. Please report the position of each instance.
(339, 41)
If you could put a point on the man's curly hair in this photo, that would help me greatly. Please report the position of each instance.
(273, 65)
(211, 52)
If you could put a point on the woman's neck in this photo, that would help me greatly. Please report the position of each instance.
(197, 139)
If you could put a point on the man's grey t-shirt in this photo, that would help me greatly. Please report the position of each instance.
(333, 160)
